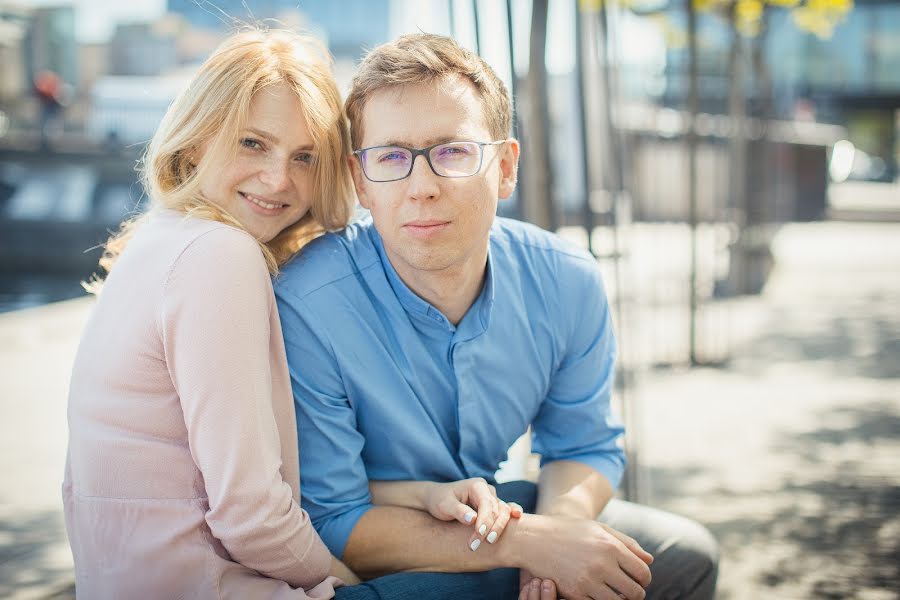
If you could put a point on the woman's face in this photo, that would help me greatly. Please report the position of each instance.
(267, 186)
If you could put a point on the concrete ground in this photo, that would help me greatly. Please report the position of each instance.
(789, 451)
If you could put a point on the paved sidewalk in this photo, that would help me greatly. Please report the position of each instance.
(790, 453)
(37, 347)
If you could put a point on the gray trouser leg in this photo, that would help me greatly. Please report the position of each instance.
(686, 555)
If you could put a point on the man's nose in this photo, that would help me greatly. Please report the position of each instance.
(422, 181)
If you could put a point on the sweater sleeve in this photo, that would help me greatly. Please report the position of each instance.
(216, 332)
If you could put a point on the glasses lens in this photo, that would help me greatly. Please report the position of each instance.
(456, 159)
(386, 163)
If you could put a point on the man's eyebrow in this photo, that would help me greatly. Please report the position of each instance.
(271, 137)
(428, 142)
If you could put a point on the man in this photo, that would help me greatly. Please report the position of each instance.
(422, 343)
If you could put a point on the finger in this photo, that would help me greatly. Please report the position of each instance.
(626, 586)
(632, 545)
(524, 592)
(515, 510)
(496, 529)
(488, 506)
(548, 590)
(604, 592)
(534, 588)
(635, 568)
(463, 513)
(524, 578)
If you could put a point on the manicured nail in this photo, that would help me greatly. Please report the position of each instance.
(492, 537)
(482, 529)
(474, 545)
(469, 516)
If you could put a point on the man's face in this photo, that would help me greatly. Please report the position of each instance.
(434, 225)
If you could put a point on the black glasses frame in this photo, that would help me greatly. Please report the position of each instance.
(426, 152)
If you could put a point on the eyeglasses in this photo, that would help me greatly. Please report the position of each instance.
(450, 159)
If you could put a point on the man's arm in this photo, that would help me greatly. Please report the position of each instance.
(572, 489)
(584, 557)
(391, 539)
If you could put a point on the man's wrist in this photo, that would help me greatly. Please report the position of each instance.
(521, 538)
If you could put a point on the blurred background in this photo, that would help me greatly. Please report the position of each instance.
(733, 164)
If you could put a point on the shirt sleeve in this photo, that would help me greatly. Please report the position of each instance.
(335, 482)
(575, 421)
(216, 335)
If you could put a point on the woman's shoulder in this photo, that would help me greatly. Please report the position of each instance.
(194, 245)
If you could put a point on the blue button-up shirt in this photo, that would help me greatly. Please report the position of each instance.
(387, 388)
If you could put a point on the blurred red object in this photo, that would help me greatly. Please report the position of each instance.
(48, 86)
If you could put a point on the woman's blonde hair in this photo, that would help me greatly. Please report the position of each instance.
(213, 109)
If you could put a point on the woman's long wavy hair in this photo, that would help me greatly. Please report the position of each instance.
(213, 109)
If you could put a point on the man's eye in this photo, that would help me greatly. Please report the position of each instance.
(395, 156)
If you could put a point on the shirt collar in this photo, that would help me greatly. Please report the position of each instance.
(473, 324)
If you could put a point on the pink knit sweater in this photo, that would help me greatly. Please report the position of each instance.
(182, 479)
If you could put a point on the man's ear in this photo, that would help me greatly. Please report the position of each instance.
(358, 181)
(509, 168)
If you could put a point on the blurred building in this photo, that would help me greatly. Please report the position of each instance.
(143, 49)
(349, 26)
(128, 109)
(13, 76)
(50, 42)
(849, 76)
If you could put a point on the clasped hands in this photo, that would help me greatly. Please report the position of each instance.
(559, 557)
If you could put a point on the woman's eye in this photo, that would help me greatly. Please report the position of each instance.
(251, 144)
(305, 158)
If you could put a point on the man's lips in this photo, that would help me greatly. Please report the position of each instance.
(426, 227)
(427, 223)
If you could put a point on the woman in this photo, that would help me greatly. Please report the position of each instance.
(182, 475)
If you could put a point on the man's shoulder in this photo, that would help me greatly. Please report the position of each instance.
(328, 260)
(528, 243)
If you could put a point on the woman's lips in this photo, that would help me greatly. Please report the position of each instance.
(263, 206)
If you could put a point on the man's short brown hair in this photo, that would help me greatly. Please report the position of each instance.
(427, 58)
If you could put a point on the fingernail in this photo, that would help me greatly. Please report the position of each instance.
(482, 529)
(469, 516)
(535, 584)
(492, 537)
(546, 586)
(474, 545)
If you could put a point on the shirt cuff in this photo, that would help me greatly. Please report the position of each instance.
(336, 530)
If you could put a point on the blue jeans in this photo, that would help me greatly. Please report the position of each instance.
(685, 559)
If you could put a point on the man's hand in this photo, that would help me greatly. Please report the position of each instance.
(585, 558)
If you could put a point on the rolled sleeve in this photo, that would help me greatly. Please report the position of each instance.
(334, 482)
(575, 421)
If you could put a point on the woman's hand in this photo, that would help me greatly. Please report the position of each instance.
(534, 588)
(343, 572)
(471, 502)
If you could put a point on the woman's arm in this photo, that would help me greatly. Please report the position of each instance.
(469, 501)
(216, 333)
